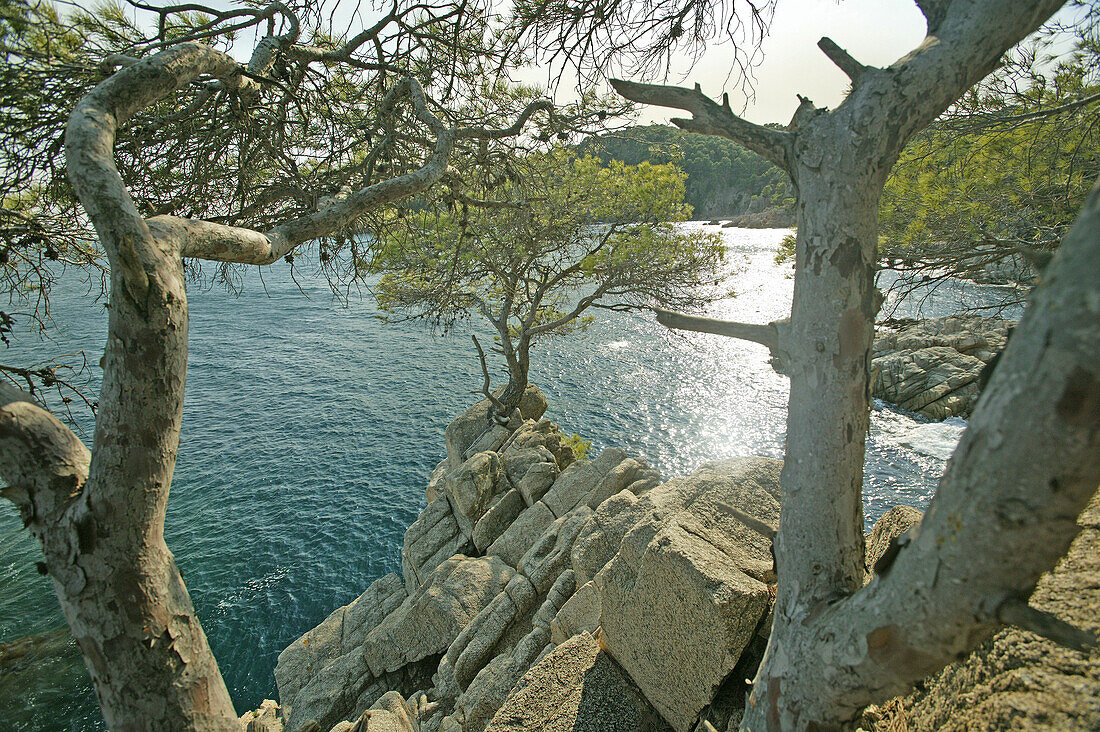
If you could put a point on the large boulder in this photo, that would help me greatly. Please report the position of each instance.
(331, 651)
(678, 618)
(578, 480)
(938, 382)
(391, 713)
(497, 519)
(428, 622)
(542, 433)
(471, 488)
(434, 537)
(522, 534)
(475, 424)
(576, 687)
(684, 594)
(895, 522)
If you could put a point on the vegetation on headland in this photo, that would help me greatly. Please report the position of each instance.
(723, 178)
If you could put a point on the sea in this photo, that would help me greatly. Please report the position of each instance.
(310, 428)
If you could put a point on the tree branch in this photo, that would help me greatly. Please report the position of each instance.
(934, 11)
(42, 462)
(498, 406)
(966, 39)
(89, 149)
(854, 69)
(766, 335)
(710, 118)
(1015, 611)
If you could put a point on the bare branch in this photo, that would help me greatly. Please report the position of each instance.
(1015, 611)
(498, 407)
(766, 335)
(854, 69)
(710, 118)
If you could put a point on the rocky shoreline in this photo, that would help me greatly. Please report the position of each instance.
(539, 592)
(934, 367)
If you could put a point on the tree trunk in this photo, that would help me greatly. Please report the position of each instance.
(100, 518)
(519, 363)
(838, 162)
(1005, 512)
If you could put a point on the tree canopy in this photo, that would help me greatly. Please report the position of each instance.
(989, 191)
(532, 253)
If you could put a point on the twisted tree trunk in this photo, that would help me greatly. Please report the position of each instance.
(829, 654)
(100, 517)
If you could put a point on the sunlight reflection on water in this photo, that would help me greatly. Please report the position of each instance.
(310, 429)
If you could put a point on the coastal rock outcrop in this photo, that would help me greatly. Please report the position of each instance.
(933, 366)
(577, 686)
(522, 549)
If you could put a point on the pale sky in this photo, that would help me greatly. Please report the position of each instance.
(875, 32)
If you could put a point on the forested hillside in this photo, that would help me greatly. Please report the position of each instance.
(724, 179)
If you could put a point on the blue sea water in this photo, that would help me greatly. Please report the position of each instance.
(310, 428)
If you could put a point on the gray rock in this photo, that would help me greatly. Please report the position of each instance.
(338, 636)
(556, 598)
(712, 498)
(537, 480)
(579, 614)
(549, 556)
(494, 437)
(677, 618)
(599, 539)
(474, 646)
(391, 713)
(471, 487)
(436, 481)
(931, 366)
(432, 538)
(465, 430)
(579, 479)
(532, 405)
(576, 688)
(893, 523)
(429, 621)
(543, 433)
(628, 473)
(498, 518)
(328, 694)
(938, 382)
(470, 426)
(517, 462)
(522, 534)
(487, 692)
(263, 719)
(681, 577)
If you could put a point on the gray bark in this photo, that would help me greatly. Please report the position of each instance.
(1005, 513)
(839, 161)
